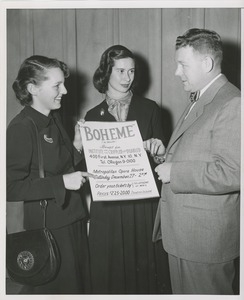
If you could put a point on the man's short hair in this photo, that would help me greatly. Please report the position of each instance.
(203, 41)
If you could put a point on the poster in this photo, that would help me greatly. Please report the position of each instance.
(114, 153)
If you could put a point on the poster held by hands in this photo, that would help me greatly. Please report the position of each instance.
(115, 155)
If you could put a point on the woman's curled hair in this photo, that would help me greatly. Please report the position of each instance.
(103, 72)
(33, 70)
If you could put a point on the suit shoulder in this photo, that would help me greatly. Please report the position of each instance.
(227, 99)
(229, 91)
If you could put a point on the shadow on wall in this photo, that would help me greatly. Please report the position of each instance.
(143, 78)
(231, 65)
(142, 85)
(167, 125)
(76, 85)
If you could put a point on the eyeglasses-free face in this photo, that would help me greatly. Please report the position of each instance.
(122, 77)
(47, 94)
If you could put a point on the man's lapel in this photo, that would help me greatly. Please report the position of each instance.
(197, 110)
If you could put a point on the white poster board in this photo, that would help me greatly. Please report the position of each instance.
(114, 153)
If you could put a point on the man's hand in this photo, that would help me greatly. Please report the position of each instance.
(154, 147)
(163, 172)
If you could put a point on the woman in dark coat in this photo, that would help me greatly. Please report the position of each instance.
(39, 87)
(123, 258)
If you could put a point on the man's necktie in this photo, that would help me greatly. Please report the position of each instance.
(194, 96)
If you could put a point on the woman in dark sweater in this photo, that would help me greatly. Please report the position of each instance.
(39, 87)
(123, 258)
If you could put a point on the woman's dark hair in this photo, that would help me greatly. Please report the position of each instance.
(103, 72)
(33, 70)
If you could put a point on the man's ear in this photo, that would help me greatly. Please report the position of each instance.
(32, 88)
(208, 64)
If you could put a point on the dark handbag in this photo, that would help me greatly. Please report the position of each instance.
(32, 256)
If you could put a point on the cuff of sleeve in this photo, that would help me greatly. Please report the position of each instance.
(59, 190)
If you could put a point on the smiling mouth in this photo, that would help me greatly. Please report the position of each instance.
(125, 85)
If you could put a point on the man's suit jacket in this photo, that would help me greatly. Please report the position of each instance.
(198, 214)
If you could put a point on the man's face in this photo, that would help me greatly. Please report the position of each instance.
(190, 68)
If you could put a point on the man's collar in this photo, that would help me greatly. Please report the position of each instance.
(208, 85)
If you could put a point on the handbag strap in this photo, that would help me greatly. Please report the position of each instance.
(43, 203)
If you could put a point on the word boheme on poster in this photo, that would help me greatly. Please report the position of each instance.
(114, 153)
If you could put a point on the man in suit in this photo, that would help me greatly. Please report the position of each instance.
(198, 217)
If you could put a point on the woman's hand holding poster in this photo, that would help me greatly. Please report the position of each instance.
(114, 153)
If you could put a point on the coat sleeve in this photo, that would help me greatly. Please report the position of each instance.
(221, 174)
(22, 184)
